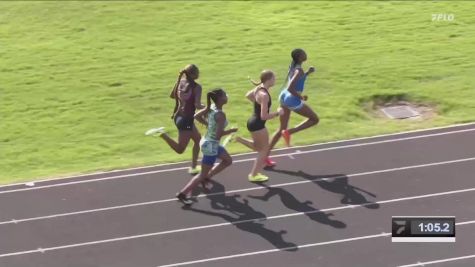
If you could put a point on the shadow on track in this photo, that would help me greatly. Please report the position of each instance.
(291, 202)
(235, 211)
(338, 184)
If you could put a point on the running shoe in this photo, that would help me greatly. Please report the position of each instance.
(269, 162)
(257, 178)
(184, 199)
(286, 136)
(154, 131)
(194, 170)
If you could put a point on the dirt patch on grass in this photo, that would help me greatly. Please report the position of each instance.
(376, 103)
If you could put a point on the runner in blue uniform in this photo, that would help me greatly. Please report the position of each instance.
(291, 99)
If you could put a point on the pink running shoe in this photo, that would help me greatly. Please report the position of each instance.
(286, 136)
(270, 163)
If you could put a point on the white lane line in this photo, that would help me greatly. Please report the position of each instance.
(237, 222)
(277, 250)
(236, 161)
(289, 248)
(466, 222)
(378, 142)
(249, 153)
(439, 261)
(59, 215)
(15, 221)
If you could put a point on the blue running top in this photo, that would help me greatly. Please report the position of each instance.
(300, 83)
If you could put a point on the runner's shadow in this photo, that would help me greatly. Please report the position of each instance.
(291, 202)
(338, 184)
(242, 216)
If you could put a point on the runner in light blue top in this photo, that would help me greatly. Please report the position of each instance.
(216, 122)
(291, 99)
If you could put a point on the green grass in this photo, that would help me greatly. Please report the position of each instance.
(80, 82)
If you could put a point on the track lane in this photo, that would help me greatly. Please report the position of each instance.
(145, 188)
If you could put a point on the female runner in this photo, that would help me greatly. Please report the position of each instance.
(262, 102)
(187, 95)
(216, 123)
(291, 99)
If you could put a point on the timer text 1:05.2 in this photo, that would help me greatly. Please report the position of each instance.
(434, 227)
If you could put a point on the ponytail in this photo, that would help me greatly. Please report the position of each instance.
(265, 76)
(208, 101)
(213, 96)
(175, 93)
(295, 55)
(252, 81)
(291, 68)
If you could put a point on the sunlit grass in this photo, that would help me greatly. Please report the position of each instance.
(81, 81)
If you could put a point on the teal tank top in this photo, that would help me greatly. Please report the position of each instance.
(212, 124)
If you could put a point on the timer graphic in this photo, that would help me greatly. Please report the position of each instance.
(423, 229)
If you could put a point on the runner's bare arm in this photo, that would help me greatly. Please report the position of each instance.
(221, 121)
(264, 100)
(310, 70)
(251, 95)
(297, 75)
(200, 116)
(198, 103)
(173, 93)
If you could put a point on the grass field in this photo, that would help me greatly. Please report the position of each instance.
(80, 82)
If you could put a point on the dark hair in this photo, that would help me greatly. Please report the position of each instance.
(190, 71)
(213, 95)
(265, 76)
(295, 54)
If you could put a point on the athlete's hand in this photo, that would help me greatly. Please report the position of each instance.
(280, 111)
(311, 70)
(233, 130)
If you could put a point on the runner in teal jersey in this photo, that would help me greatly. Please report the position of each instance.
(216, 123)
